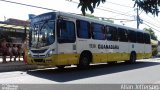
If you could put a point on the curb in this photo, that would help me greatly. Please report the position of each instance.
(16, 66)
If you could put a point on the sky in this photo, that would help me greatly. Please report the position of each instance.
(122, 12)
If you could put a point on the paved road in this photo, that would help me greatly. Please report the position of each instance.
(143, 72)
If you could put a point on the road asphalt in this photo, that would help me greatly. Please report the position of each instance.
(18, 66)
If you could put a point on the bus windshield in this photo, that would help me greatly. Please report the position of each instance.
(43, 34)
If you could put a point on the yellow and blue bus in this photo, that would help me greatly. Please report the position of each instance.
(60, 39)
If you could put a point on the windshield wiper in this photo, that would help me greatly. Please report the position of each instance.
(40, 31)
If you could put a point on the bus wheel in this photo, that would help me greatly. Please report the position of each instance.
(84, 61)
(60, 67)
(132, 58)
(112, 62)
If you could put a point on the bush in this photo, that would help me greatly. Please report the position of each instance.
(154, 50)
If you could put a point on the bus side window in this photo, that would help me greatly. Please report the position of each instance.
(98, 31)
(122, 33)
(147, 38)
(66, 31)
(83, 29)
(140, 37)
(112, 33)
(132, 36)
(108, 34)
(148, 41)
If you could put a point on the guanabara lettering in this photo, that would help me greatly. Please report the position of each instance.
(101, 46)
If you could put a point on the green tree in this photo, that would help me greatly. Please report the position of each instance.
(151, 32)
(153, 41)
(149, 6)
(89, 4)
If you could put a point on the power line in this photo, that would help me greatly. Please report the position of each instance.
(151, 27)
(113, 11)
(117, 19)
(153, 21)
(121, 13)
(27, 5)
(118, 12)
(153, 18)
(151, 24)
(125, 13)
(53, 9)
(119, 4)
(140, 12)
(106, 1)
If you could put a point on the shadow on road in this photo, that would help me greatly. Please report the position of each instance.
(69, 74)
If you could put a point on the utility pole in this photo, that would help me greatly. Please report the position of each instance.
(138, 19)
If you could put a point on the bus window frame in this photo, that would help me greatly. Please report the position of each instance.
(132, 36)
(102, 29)
(114, 35)
(59, 39)
(78, 29)
(122, 35)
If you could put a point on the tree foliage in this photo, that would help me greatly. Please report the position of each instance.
(149, 6)
(152, 34)
(89, 4)
(154, 50)
(154, 39)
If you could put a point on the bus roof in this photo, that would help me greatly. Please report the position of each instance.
(89, 19)
(72, 15)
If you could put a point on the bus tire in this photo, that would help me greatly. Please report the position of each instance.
(112, 62)
(84, 61)
(133, 58)
(60, 67)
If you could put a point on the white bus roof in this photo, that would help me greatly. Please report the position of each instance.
(89, 19)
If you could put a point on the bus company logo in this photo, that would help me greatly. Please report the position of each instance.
(101, 46)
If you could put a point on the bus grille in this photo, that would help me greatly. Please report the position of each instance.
(39, 51)
(39, 55)
(38, 60)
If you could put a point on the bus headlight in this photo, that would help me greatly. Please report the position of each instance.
(50, 53)
(29, 54)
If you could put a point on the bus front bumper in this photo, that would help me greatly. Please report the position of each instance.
(45, 61)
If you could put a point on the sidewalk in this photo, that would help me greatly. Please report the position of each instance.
(15, 66)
